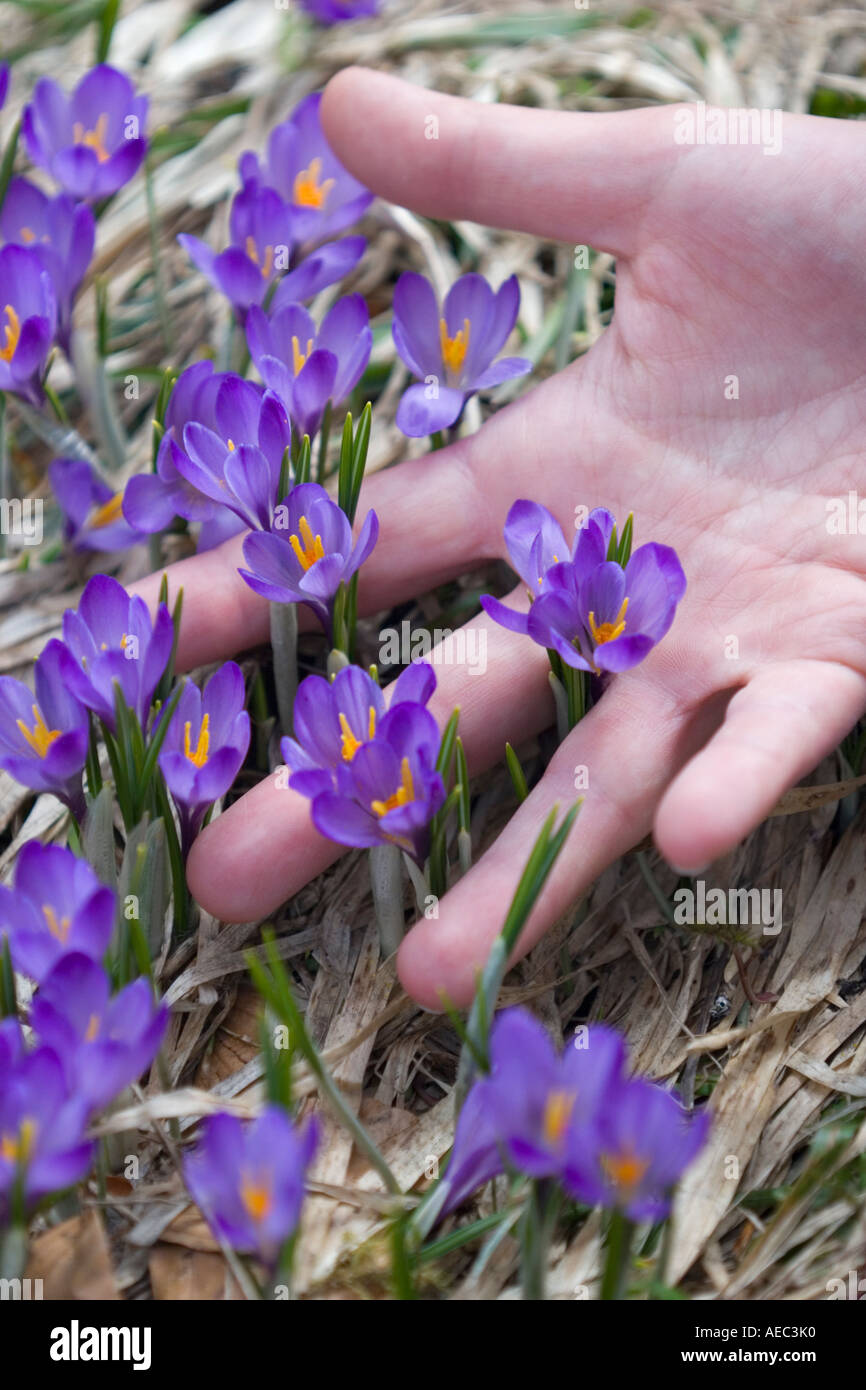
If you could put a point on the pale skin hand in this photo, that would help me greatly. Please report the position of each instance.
(729, 261)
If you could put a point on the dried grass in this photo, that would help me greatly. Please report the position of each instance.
(778, 1071)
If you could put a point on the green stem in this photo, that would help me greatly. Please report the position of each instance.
(560, 700)
(660, 1277)
(619, 1242)
(13, 1252)
(575, 693)
(386, 880)
(175, 859)
(324, 436)
(284, 643)
(54, 401)
(401, 1268)
(539, 1218)
(8, 997)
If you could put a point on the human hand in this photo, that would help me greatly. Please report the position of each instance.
(730, 263)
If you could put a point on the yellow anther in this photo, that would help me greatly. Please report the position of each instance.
(541, 576)
(27, 235)
(404, 793)
(11, 334)
(624, 1170)
(306, 546)
(198, 756)
(349, 743)
(606, 632)
(59, 930)
(110, 511)
(266, 264)
(92, 1028)
(40, 737)
(307, 188)
(256, 1197)
(94, 139)
(454, 349)
(17, 1148)
(557, 1113)
(298, 357)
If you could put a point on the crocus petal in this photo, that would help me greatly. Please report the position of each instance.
(416, 684)
(323, 267)
(418, 415)
(506, 617)
(503, 370)
(344, 821)
(416, 325)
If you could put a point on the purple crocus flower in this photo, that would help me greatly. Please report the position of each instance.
(338, 11)
(248, 1180)
(542, 1104)
(477, 1154)
(260, 246)
(645, 1141)
(44, 733)
(61, 231)
(105, 1043)
(610, 618)
(306, 366)
(451, 349)
(58, 905)
(28, 320)
(11, 1044)
(263, 249)
(206, 742)
(536, 544)
(535, 1107)
(333, 719)
(42, 1142)
(92, 510)
(91, 142)
(575, 1117)
(323, 197)
(236, 458)
(4, 84)
(317, 269)
(308, 553)
(152, 500)
(391, 790)
(112, 638)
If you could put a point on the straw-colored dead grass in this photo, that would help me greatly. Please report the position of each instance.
(775, 1069)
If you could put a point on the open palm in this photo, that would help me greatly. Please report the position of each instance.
(725, 405)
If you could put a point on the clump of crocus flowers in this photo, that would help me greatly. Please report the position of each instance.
(85, 1044)
(281, 219)
(598, 608)
(308, 552)
(371, 774)
(608, 1139)
(90, 143)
